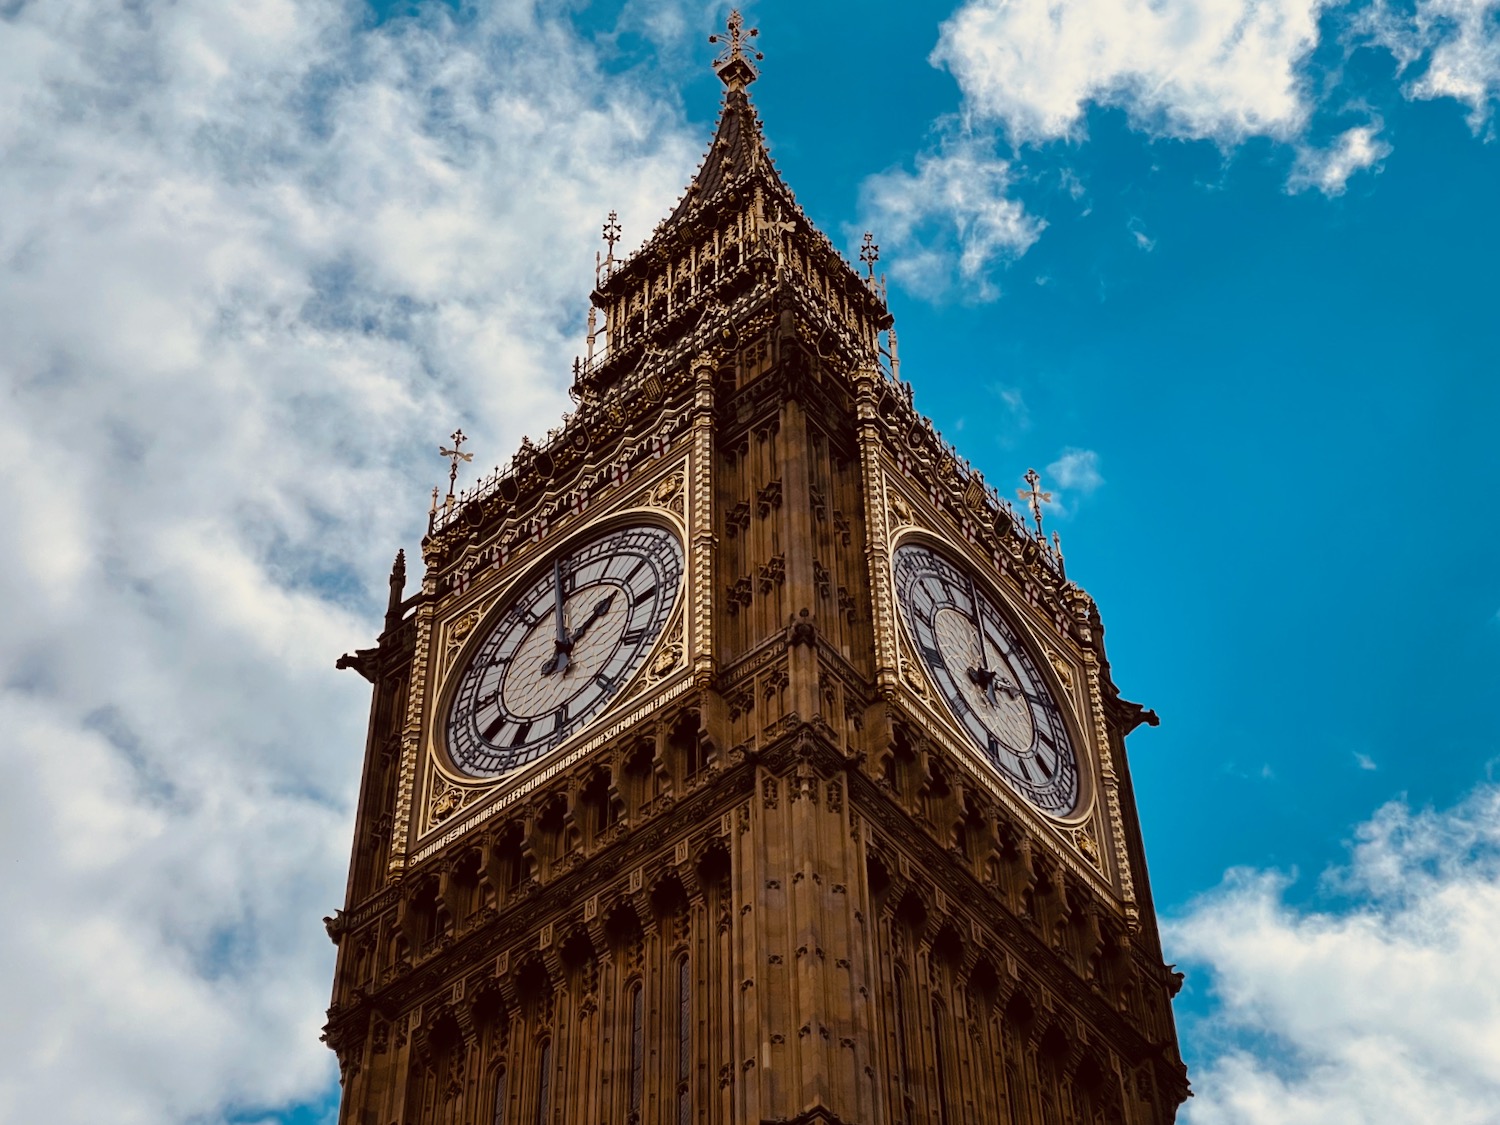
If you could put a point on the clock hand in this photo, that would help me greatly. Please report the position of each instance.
(984, 675)
(558, 661)
(601, 607)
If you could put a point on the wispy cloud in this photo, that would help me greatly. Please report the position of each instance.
(1449, 49)
(253, 256)
(1328, 169)
(1076, 470)
(952, 219)
(1384, 1013)
(1143, 241)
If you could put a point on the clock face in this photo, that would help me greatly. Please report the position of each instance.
(987, 678)
(563, 648)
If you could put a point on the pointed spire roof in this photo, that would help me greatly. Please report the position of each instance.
(738, 147)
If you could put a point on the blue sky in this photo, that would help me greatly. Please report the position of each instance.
(1220, 270)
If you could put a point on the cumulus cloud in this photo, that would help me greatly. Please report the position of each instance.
(1216, 69)
(256, 260)
(1221, 71)
(951, 218)
(1328, 169)
(1386, 1011)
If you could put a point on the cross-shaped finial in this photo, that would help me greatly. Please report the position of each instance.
(455, 455)
(612, 232)
(869, 253)
(733, 64)
(1035, 498)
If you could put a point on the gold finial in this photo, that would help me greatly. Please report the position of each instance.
(1035, 498)
(603, 269)
(869, 254)
(455, 455)
(733, 64)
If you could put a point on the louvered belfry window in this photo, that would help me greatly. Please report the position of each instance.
(684, 1044)
(637, 1050)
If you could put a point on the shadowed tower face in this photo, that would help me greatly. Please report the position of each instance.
(743, 757)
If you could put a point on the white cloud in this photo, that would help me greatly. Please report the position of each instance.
(1328, 169)
(256, 260)
(1452, 46)
(1384, 1012)
(1223, 71)
(950, 218)
(1216, 69)
(1014, 401)
(1364, 761)
(1076, 470)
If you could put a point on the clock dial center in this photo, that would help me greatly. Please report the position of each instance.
(980, 677)
(534, 684)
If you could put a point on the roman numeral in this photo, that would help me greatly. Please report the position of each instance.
(634, 637)
(560, 719)
(649, 592)
(520, 736)
(489, 732)
(634, 571)
(932, 655)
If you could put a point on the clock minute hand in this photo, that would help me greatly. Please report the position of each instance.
(984, 675)
(558, 661)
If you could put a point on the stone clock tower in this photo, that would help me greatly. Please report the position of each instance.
(743, 758)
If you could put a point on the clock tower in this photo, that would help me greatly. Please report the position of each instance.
(742, 757)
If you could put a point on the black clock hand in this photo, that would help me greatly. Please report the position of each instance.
(601, 607)
(984, 675)
(558, 661)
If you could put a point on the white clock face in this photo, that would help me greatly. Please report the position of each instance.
(560, 651)
(987, 678)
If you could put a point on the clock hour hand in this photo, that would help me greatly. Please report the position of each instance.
(601, 607)
(558, 661)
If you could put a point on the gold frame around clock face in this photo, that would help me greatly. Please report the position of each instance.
(987, 677)
(562, 646)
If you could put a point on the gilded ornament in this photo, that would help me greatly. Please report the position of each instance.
(1061, 667)
(667, 490)
(445, 802)
(463, 627)
(667, 659)
(900, 509)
